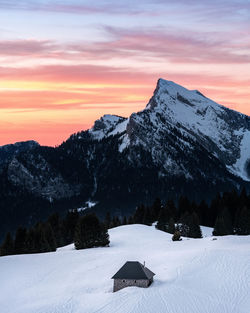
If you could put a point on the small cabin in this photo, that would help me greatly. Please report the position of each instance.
(132, 273)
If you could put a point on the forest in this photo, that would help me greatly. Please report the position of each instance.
(228, 214)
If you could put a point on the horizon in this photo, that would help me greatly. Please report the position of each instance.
(65, 64)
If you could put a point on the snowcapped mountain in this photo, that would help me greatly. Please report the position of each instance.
(194, 275)
(181, 143)
(223, 132)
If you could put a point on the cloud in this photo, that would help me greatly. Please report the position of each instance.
(162, 45)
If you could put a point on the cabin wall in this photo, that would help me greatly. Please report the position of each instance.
(122, 283)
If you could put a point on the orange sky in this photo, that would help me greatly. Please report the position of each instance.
(58, 77)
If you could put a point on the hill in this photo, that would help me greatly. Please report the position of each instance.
(193, 275)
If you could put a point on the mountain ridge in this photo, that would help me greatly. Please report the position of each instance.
(182, 143)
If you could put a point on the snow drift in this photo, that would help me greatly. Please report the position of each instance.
(193, 276)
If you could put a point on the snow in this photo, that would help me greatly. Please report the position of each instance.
(125, 143)
(193, 275)
(89, 204)
(112, 125)
(239, 166)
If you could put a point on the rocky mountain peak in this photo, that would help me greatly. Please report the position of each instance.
(168, 94)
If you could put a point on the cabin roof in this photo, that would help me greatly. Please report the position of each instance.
(133, 270)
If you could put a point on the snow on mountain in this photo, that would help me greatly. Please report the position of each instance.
(194, 275)
(7, 152)
(223, 132)
(182, 143)
(108, 125)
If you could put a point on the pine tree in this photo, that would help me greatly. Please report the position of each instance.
(170, 227)
(40, 241)
(223, 225)
(162, 220)
(107, 220)
(130, 220)
(50, 237)
(7, 247)
(243, 225)
(194, 227)
(184, 224)
(90, 233)
(139, 214)
(20, 241)
(154, 211)
(58, 229)
(124, 221)
(220, 228)
(69, 225)
(147, 218)
(30, 241)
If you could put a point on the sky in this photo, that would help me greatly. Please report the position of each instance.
(64, 64)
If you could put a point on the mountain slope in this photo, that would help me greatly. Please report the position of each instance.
(191, 276)
(7, 152)
(182, 143)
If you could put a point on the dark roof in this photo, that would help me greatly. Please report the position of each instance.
(133, 270)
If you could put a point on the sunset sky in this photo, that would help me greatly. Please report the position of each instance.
(63, 64)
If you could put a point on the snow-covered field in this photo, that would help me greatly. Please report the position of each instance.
(193, 276)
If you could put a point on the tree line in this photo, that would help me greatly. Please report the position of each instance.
(85, 231)
(228, 214)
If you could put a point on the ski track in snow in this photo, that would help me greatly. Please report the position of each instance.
(192, 276)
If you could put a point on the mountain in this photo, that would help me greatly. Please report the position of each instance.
(194, 275)
(7, 152)
(182, 143)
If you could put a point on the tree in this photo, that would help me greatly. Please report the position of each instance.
(107, 220)
(223, 224)
(57, 226)
(124, 221)
(194, 226)
(69, 225)
(170, 227)
(90, 233)
(147, 218)
(20, 241)
(139, 214)
(155, 210)
(243, 225)
(190, 225)
(40, 241)
(50, 237)
(220, 228)
(7, 247)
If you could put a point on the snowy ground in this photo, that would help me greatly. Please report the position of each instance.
(192, 276)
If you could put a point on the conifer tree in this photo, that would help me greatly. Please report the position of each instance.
(50, 237)
(124, 221)
(147, 218)
(243, 226)
(170, 227)
(130, 220)
(223, 225)
(155, 210)
(194, 227)
(7, 248)
(107, 220)
(30, 241)
(20, 241)
(90, 233)
(69, 225)
(220, 228)
(139, 214)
